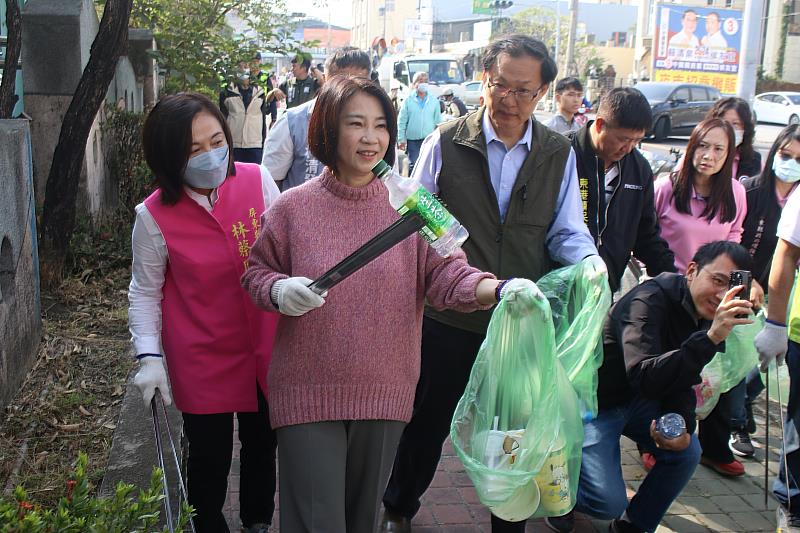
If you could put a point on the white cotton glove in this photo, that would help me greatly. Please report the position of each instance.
(293, 297)
(771, 344)
(520, 294)
(152, 376)
(599, 265)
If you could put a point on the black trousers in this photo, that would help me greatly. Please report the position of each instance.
(448, 354)
(209, 462)
(715, 430)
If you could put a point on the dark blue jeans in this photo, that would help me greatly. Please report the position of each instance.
(412, 151)
(784, 491)
(601, 492)
(742, 394)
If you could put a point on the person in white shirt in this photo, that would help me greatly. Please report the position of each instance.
(286, 153)
(191, 242)
(686, 37)
(713, 37)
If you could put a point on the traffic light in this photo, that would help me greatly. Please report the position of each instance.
(501, 4)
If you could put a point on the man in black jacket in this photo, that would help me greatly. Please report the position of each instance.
(616, 185)
(656, 340)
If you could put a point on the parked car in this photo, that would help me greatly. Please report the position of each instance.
(677, 107)
(781, 107)
(471, 93)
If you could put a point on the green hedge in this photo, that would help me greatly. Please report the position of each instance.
(80, 512)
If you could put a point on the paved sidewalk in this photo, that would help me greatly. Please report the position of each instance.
(709, 503)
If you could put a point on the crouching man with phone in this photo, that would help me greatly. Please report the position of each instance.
(656, 340)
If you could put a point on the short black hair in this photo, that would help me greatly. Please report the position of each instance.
(570, 82)
(348, 57)
(167, 140)
(627, 108)
(517, 45)
(323, 129)
(709, 252)
(304, 61)
(687, 12)
(714, 13)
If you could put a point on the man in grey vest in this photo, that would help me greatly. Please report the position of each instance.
(513, 184)
(286, 154)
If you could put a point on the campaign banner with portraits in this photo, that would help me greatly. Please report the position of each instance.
(697, 45)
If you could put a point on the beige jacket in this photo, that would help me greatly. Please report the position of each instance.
(247, 125)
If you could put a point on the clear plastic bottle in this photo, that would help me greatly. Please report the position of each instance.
(671, 426)
(442, 231)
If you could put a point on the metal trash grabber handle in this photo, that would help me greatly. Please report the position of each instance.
(383, 241)
(160, 451)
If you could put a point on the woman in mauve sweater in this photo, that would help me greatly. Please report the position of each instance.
(343, 375)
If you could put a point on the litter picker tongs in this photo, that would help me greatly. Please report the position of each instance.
(383, 241)
(160, 451)
(786, 473)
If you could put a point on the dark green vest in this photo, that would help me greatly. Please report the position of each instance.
(516, 247)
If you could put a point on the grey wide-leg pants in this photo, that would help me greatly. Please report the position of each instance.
(332, 475)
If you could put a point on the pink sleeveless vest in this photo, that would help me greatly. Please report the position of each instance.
(216, 342)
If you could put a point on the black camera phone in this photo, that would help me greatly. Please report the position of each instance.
(741, 277)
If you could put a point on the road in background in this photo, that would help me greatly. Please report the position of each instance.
(765, 136)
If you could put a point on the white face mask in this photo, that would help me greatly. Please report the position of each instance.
(787, 171)
(738, 135)
(207, 170)
(422, 87)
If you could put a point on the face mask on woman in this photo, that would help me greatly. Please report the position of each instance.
(207, 170)
(788, 171)
(738, 136)
(422, 87)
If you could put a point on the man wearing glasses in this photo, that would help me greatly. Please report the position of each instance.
(512, 183)
(656, 340)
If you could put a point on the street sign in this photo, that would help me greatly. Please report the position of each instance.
(482, 7)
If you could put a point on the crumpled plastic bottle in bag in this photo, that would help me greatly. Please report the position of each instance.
(517, 429)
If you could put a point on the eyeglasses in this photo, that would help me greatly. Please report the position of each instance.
(718, 280)
(521, 95)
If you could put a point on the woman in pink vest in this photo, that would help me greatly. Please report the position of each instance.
(191, 243)
(345, 365)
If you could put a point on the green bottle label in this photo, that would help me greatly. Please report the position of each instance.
(437, 218)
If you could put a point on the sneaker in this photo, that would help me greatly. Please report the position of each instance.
(740, 444)
(732, 469)
(750, 425)
(561, 524)
(648, 460)
(787, 522)
(619, 525)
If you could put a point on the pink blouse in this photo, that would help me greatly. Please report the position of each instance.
(686, 233)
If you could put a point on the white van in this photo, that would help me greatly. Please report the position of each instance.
(444, 72)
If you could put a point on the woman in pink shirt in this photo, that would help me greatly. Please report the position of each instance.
(345, 365)
(701, 203)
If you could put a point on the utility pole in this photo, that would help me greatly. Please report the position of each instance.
(569, 65)
(749, 57)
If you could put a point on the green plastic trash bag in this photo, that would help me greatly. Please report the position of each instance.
(728, 368)
(517, 428)
(579, 298)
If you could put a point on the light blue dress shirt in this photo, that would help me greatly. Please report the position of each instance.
(568, 239)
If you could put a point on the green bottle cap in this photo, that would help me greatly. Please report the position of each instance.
(381, 168)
